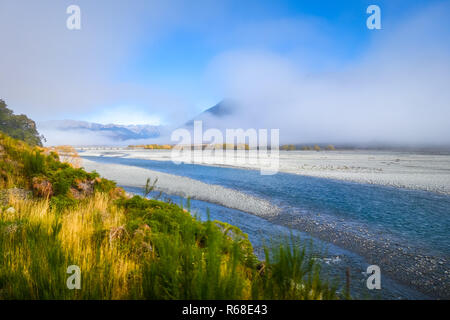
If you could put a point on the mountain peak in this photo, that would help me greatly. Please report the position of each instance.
(224, 108)
(90, 131)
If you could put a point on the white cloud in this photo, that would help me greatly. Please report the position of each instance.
(395, 93)
(124, 115)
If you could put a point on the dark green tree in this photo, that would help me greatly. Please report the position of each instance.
(19, 126)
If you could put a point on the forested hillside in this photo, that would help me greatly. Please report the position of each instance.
(19, 126)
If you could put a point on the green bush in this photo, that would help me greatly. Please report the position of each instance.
(104, 185)
(66, 177)
(34, 163)
(192, 259)
(62, 202)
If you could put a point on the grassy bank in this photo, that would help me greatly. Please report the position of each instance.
(127, 248)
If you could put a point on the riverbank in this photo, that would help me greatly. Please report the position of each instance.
(428, 172)
(413, 266)
(184, 187)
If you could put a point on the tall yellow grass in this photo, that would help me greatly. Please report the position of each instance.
(185, 258)
(107, 270)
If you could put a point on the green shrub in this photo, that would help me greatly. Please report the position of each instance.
(34, 163)
(289, 272)
(104, 185)
(64, 178)
(62, 202)
(192, 259)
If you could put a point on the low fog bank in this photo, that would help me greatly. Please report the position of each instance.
(396, 94)
(85, 137)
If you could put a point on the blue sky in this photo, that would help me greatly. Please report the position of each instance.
(165, 61)
(177, 59)
(187, 49)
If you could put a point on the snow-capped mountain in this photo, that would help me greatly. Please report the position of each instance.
(83, 132)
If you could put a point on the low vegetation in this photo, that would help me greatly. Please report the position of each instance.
(142, 249)
(127, 247)
(34, 168)
(152, 146)
(224, 146)
(291, 147)
(288, 147)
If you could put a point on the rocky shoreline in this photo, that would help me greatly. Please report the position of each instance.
(415, 267)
